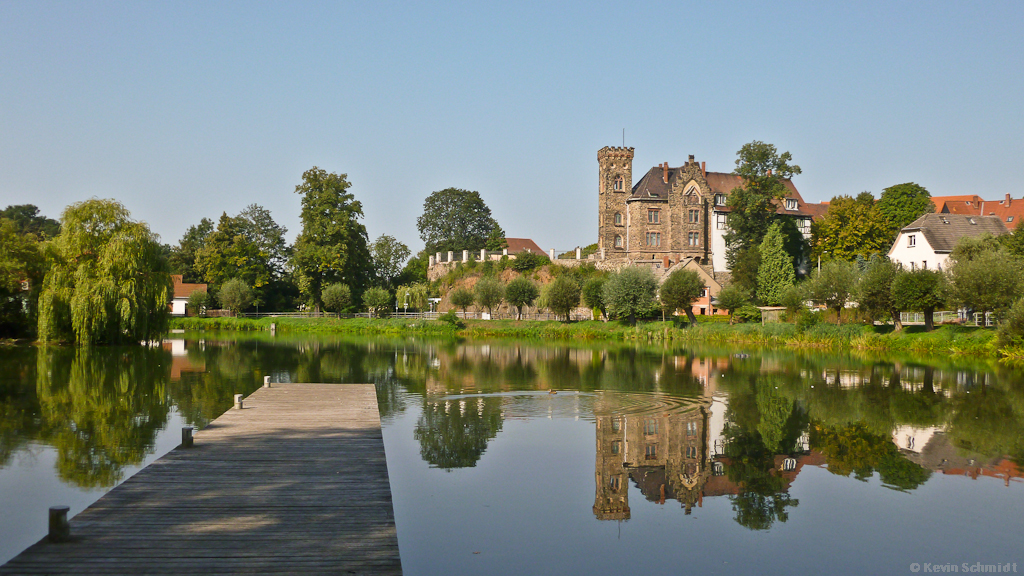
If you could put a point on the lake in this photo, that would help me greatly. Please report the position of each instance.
(512, 458)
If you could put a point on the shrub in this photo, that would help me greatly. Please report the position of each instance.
(525, 261)
(1011, 331)
(197, 302)
(593, 294)
(748, 313)
(450, 317)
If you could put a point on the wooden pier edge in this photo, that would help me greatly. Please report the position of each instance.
(294, 482)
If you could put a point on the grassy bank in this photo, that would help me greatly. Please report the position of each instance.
(947, 340)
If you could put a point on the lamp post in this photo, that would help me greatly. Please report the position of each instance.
(406, 308)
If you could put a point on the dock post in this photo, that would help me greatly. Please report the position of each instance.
(60, 529)
(266, 381)
(186, 437)
(238, 401)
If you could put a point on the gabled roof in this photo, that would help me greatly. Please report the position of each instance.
(516, 245)
(182, 290)
(1008, 210)
(944, 230)
(652, 187)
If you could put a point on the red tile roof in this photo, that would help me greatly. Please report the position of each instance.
(1008, 210)
(182, 290)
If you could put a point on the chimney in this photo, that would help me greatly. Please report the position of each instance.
(704, 169)
(1008, 199)
(664, 172)
(690, 161)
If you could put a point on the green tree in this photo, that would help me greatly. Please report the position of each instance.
(753, 205)
(744, 267)
(593, 295)
(902, 204)
(197, 302)
(833, 285)
(108, 283)
(462, 298)
(455, 220)
(731, 298)
(776, 273)
(521, 292)
(452, 438)
(874, 291)
(332, 246)
(1014, 242)
(562, 296)
(983, 279)
(389, 258)
(415, 295)
(629, 293)
(183, 256)
(21, 263)
(27, 220)
(235, 295)
(377, 301)
(852, 227)
(919, 291)
(1011, 330)
(679, 291)
(489, 292)
(337, 297)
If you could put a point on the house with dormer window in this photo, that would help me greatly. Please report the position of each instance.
(926, 242)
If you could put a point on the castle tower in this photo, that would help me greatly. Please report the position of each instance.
(615, 182)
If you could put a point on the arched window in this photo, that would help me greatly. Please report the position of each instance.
(618, 241)
(618, 218)
(619, 183)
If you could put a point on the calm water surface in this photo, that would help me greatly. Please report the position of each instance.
(510, 458)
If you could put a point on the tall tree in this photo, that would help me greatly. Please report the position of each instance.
(833, 285)
(521, 292)
(389, 257)
(853, 227)
(679, 291)
(454, 219)
(874, 291)
(753, 205)
(183, 256)
(108, 283)
(332, 246)
(902, 204)
(21, 265)
(27, 220)
(489, 293)
(776, 273)
(562, 296)
(983, 276)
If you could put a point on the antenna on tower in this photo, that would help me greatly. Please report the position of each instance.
(623, 137)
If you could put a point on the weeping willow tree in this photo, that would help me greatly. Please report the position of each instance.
(109, 282)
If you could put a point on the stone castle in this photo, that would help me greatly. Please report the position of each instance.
(673, 214)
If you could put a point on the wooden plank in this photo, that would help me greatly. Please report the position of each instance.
(294, 483)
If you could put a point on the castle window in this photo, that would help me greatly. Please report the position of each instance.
(718, 469)
(791, 204)
(616, 446)
(650, 426)
(616, 425)
(694, 216)
(616, 482)
(651, 453)
(694, 238)
(722, 221)
(618, 241)
(789, 464)
(691, 428)
(619, 183)
(653, 216)
(654, 238)
(720, 199)
(618, 218)
(691, 451)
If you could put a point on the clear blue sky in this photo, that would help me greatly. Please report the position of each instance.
(182, 110)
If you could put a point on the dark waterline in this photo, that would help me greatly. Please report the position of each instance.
(719, 460)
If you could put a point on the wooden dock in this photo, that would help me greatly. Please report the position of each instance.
(293, 483)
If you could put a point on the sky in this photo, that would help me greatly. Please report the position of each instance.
(183, 110)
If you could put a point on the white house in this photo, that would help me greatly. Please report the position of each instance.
(926, 242)
(181, 293)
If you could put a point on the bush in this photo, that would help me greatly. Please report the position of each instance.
(450, 317)
(197, 302)
(748, 313)
(629, 294)
(1011, 331)
(593, 294)
(525, 261)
